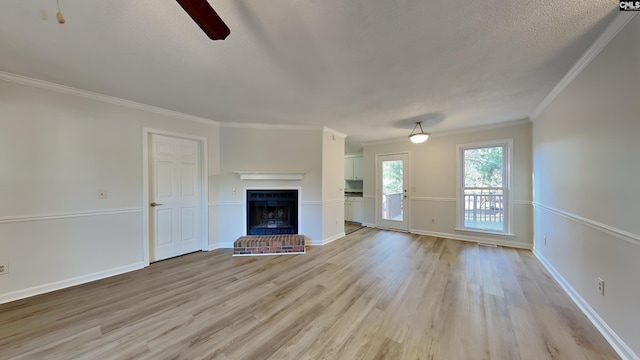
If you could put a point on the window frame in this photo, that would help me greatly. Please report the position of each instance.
(507, 166)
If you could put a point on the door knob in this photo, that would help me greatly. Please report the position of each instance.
(154, 204)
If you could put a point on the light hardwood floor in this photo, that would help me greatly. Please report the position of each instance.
(371, 295)
(350, 227)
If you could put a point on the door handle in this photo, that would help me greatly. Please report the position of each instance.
(154, 204)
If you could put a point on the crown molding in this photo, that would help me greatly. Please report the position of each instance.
(271, 126)
(620, 21)
(387, 141)
(454, 132)
(24, 80)
(63, 89)
(334, 132)
(493, 126)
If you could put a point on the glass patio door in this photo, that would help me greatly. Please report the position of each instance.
(392, 200)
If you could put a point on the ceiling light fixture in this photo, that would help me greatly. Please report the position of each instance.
(59, 15)
(418, 137)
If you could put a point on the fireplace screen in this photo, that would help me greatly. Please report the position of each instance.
(272, 212)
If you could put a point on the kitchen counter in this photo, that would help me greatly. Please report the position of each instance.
(353, 194)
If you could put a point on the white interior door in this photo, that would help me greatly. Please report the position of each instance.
(392, 199)
(175, 185)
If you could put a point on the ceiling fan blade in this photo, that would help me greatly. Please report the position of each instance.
(208, 20)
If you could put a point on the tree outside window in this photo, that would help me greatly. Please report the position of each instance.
(483, 186)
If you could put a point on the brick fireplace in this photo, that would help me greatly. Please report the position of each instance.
(272, 212)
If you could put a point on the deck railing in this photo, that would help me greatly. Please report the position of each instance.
(484, 207)
(391, 205)
(478, 208)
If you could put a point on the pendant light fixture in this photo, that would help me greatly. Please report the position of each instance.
(418, 137)
(59, 15)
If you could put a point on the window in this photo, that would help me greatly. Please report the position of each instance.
(483, 195)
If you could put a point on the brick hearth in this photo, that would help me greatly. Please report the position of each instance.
(269, 245)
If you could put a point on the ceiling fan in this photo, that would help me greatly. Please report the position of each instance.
(208, 20)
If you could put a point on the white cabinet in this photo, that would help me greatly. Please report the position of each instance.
(358, 168)
(353, 209)
(348, 168)
(353, 168)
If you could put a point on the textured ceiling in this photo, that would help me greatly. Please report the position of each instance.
(367, 68)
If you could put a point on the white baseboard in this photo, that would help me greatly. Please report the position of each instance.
(369, 225)
(470, 238)
(311, 242)
(614, 340)
(333, 238)
(224, 245)
(41, 289)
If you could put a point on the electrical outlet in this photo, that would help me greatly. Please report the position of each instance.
(102, 194)
(601, 286)
(4, 268)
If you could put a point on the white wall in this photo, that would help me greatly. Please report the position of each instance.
(332, 186)
(56, 151)
(59, 146)
(267, 148)
(432, 180)
(587, 172)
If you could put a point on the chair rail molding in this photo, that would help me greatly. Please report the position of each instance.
(618, 233)
(42, 217)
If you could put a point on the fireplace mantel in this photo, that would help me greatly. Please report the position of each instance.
(270, 175)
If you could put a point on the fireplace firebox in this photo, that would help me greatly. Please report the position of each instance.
(272, 212)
